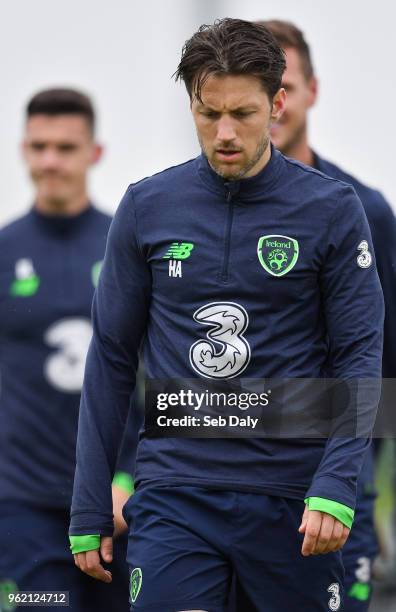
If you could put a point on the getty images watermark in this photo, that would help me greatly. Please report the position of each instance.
(261, 408)
(186, 398)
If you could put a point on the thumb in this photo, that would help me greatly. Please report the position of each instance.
(304, 520)
(106, 548)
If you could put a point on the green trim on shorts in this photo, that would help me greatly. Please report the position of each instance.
(84, 543)
(360, 591)
(339, 511)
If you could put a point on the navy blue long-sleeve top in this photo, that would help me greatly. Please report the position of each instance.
(324, 314)
(48, 270)
(382, 223)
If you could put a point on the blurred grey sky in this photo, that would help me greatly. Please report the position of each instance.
(124, 52)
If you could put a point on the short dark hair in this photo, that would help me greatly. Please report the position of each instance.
(290, 36)
(62, 101)
(231, 47)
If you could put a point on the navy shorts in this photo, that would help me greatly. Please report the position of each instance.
(35, 555)
(185, 544)
(358, 556)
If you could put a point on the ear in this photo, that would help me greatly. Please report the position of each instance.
(278, 104)
(97, 153)
(313, 87)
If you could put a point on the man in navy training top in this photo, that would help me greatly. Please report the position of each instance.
(188, 267)
(49, 266)
(290, 135)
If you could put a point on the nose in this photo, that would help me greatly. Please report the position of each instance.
(225, 129)
(49, 159)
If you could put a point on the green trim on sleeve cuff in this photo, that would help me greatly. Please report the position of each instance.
(124, 481)
(84, 543)
(339, 511)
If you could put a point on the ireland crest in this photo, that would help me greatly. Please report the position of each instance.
(277, 254)
(136, 583)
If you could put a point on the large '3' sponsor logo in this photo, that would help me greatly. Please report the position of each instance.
(225, 353)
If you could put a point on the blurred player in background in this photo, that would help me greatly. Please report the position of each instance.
(49, 266)
(290, 136)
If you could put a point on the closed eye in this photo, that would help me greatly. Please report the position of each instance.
(210, 114)
(242, 114)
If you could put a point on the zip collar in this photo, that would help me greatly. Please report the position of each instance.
(248, 189)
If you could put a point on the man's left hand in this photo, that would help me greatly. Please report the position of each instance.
(323, 533)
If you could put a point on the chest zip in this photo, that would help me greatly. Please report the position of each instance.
(231, 189)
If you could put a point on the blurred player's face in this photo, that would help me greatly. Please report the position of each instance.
(301, 93)
(233, 123)
(58, 151)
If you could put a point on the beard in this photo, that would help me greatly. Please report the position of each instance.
(250, 163)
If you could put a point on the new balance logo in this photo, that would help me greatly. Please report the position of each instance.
(179, 250)
(176, 252)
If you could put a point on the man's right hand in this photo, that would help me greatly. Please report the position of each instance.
(90, 562)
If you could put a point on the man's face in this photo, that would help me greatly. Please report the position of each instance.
(232, 123)
(58, 151)
(301, 95)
